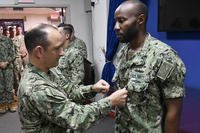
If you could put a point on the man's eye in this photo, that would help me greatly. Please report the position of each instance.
(58, 48)
(121, 20)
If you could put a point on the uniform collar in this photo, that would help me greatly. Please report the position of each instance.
(138, 58)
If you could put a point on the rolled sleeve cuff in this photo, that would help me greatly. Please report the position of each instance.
(88, 88)
(176, 92)
(105, 106)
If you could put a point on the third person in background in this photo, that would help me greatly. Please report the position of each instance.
(71, 63)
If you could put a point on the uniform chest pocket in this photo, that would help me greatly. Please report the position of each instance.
(138, 88)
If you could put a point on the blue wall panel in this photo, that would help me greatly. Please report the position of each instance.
(187, 44)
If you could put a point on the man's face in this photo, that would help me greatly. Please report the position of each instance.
(54, 50)
(66, 37)
(19, 30)
(126, 26)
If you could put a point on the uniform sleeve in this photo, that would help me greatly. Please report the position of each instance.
(172, 74)
(54, 106)
(77, 71)
(78, 93)
(63, 65)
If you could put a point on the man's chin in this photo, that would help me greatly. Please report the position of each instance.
(122, 41)
(56, 64)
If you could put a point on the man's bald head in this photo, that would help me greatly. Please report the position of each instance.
(38, 35)
(134, 6)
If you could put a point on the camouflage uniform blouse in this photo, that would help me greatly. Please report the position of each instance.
(71, 64)
(45, 106)
(152, 74)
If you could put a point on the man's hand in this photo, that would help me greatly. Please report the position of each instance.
(3, 65)
(118, 97)
(101, 86)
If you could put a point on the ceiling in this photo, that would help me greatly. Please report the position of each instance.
(28, 10)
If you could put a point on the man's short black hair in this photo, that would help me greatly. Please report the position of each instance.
(61, 25)
(37, 36)
(66, 25)
(67, 30)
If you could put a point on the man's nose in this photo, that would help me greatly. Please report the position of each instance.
(116, 27)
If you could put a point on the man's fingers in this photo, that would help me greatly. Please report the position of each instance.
(103, 82)
(125, 96)
(104, 89)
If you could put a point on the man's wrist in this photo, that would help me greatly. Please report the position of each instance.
(92, 88)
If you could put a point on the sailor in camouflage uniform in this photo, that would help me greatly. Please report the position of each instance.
(71, 64)
(18, 60)
(7, 57)
(46, 102)
(151, 71)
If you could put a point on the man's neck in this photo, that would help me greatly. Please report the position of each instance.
(67, 43)
(72, 39)
(138, 42)
(39, 65)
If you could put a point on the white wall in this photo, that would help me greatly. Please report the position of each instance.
(37, 3)
(99, 15)
(31, 20)
(82, 24)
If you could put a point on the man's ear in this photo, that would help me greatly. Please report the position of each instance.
(38, 51)
(141, 19)
(67, 36)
